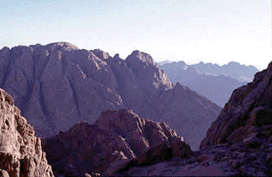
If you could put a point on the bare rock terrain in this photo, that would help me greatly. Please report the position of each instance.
(20, 150)
(238, 143)
(118, 140)
(247, 115)
(58, 85)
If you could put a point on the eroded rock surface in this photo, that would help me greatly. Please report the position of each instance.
(58, 85)
(20, 151)
(118, 140)
(247, 115)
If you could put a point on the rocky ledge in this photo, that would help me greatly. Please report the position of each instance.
(118, 140)
(20, 151)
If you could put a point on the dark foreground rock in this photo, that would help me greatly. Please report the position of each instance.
(20, 150)
(117, 141)
(220, 160)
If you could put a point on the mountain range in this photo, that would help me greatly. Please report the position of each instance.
(210, 80)
(122, 142)
(58, 85)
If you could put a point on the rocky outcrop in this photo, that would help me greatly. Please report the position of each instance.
(247, 115)
(58, 85)
(20, 151)
(118, 140)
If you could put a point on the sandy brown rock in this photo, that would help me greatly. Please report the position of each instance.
(20, 151)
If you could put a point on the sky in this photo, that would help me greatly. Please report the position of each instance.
(215, 31)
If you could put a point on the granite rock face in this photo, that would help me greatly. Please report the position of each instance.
(58, 85)
(20, 151)
(118, 139)
(247, 115)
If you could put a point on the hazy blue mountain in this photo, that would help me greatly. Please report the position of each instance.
(232, 69)
(164, 62)
(210, 80)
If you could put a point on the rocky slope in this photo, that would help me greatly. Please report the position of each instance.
(118, 140)
(207, 80)
(238, 143)
(20, 151)
(247, 115)
(58, 85)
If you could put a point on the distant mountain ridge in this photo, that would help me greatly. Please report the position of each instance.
(210, 80)
(233, 69)
(57, 85)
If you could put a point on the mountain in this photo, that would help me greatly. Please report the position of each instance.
(164, 62)
(238, 143)
(20, 150)
(233, 69)
(247, 115)
(118, 139)
(209, 80)
(58, 85)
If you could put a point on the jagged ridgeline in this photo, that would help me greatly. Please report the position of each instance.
(58, 85)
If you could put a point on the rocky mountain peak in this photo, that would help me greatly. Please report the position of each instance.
(101, 54)
(137, 56)
(148, 73)
(62, 46)
(116, 55)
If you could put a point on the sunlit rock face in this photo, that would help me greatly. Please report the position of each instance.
(58, 85)
(247, 115)
(20, 150)
(119, 139)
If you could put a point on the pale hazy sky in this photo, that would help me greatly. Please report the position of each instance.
(216, 31)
